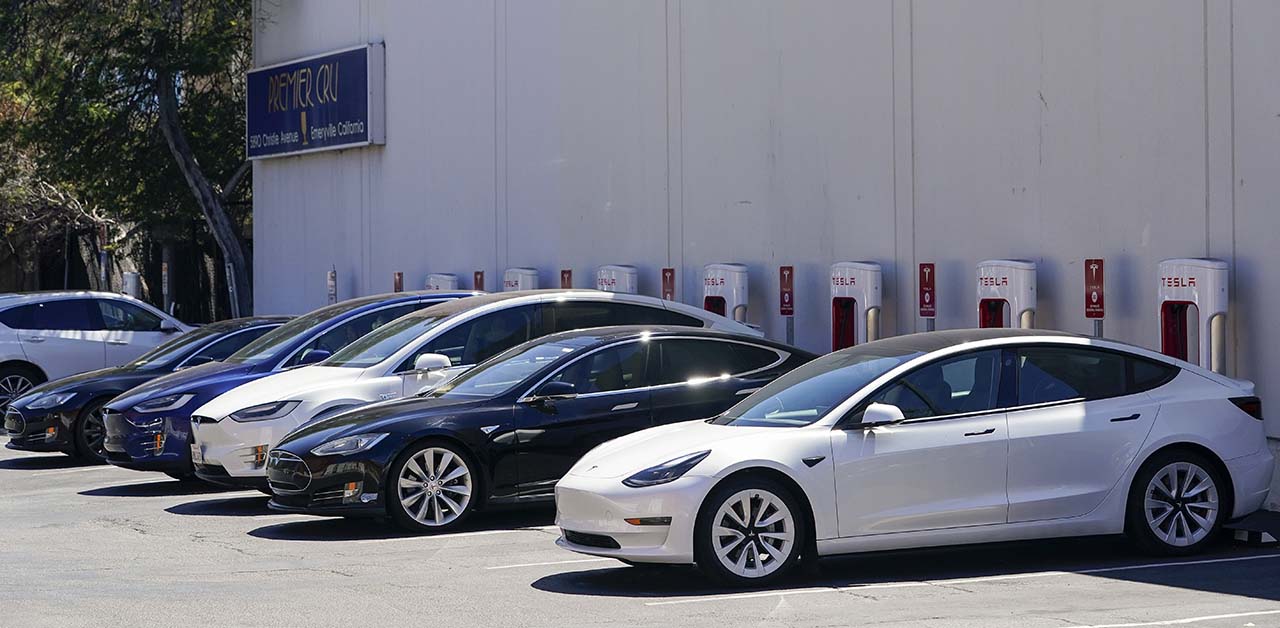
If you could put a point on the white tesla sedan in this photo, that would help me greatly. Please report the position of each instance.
(943, 438)
(404, 357)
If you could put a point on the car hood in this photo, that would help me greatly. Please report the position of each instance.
(112, 378)
(641, 450)
(177, 382)
(387, 416)
(292, 384)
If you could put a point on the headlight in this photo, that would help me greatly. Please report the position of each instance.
(668, 471)
(264, 412)
(165, 403)
(51, 400)
(348, 444)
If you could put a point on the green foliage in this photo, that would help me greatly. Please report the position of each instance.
(78, 95)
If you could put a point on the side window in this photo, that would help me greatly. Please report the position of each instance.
(1148, 374)
(747, 358)
(121, 316)
(1048, 374)
(349, 331)
(607, 370)
(67, 314)
(481, 338)
(682, 360)
(959, 385)
(585, 314)
(224, 347)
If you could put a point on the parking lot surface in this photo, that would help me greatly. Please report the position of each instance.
(94, 546)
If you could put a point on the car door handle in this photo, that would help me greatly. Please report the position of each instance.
(989, 430)
(625, 406)
(118, 343)
(35, 338)
(1131, 417)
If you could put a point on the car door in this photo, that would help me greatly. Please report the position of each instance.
(944, 467)
(130, 330)
(698, 378)
(611, 400)
(63, 337)
(1076, 429)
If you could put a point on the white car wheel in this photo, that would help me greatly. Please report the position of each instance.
(1175, 505)
(750, 532)
(432, 490)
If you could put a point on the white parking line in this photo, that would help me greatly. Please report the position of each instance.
(1187, 620)
(554, 562)
(955, 581)
(456, 535)
(62, 471)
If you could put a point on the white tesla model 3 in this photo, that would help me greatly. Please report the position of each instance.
(943, 438)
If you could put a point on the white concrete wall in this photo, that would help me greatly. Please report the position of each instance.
(803, 132)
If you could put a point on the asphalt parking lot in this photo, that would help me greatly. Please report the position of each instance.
(93, 546)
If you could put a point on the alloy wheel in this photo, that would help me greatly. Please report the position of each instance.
(1181, 504)
(435, 486)
(753, 533)
(12, 387)
(95, 433)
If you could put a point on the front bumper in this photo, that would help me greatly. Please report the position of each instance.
(33, 431)
(325, 485)
(215, 474)
(163, 445)
(591, 511)
(239, 449)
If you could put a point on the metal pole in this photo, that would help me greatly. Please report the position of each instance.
(791, 330)
(928, 324)
(1097, 328)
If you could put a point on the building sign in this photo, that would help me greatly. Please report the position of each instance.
(326, 102)
(566, 278)
(928, 291)
(786, 290)
(669, 284)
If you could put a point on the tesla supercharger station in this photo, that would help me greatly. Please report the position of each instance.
(617, 278)
(1192, 300)
(855, 303)
(442, 281)
(724, 290)
(1007, 293)
(520, 278)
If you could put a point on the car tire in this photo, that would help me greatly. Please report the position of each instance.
(1177, 504)
(730, 544)
(433, 487)
(90, 432)
(16, 380)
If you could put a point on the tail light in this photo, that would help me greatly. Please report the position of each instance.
(1251, 406)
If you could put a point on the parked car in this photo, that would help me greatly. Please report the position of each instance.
(943, 438)
(66, 414)
(416, 352)
(508, 429)
(50, 335)
(148, 428)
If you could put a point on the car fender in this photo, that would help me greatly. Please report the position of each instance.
(815, 482)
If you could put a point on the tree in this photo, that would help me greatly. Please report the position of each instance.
(139, 106)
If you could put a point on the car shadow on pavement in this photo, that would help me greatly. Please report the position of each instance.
(361, 529)
(251, 506)
(159, 488)
(45, 463)
(1217, 570)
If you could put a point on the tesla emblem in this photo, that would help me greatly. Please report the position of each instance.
(488, 429)
(387, 395)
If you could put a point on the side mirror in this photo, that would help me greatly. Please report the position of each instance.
(314, 355)
(168, 327)
(555, 390)
(881, 414)
(197, 360)
(431, 362)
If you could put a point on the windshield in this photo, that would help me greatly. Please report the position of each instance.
(384, 341)
(276, 339)
(809, 392)
(173, 350)
(506, 370)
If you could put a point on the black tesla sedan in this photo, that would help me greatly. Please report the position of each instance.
(508, 429)
(66, 414)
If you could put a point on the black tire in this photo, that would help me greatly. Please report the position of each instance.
(450, 501)
(1181, 531)
(15, 380)
(90, 432)
(762, 495)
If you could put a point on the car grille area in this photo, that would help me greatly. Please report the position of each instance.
(14, 423)
(591, 540)
(287, 473)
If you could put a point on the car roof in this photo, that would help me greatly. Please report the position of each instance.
(481, 300)
(234, 324)
(931, 341)
(19, 298)
(593, 336)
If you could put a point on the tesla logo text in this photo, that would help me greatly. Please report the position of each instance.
(511, 284)
(604, 283)
(844, 281)
(713, 281)
(993, 281)
(1178, 282)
